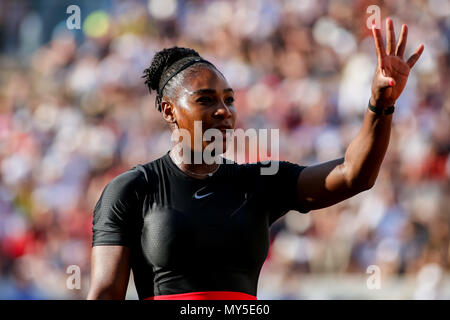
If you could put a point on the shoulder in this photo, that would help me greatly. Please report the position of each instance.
(139, 176)
(118, 208)
(121, 192)
(131, 184)
(270, 168)
(132, 179)
(261, 175)
(125, 191)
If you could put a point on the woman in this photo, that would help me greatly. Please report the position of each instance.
(200, 230)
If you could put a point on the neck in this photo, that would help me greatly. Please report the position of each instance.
(192, 162)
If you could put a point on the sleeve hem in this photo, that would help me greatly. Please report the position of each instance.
(299, 207)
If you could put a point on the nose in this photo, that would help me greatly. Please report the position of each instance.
(223, 111)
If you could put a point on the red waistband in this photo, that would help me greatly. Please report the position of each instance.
(205, 295)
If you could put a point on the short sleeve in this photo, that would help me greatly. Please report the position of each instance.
(280, 188)
(117, 210)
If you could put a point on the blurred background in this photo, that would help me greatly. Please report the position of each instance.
(75, 113)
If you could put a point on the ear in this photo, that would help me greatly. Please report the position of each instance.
(168, 111)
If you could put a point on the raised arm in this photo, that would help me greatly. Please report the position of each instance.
(110, 271)
(325, 184)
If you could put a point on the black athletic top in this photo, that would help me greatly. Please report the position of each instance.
(190, 235)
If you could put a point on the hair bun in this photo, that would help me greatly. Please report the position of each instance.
(161, 61)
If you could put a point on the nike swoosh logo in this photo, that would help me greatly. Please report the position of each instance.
(197, 196)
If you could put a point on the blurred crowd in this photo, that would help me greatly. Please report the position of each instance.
(75, 113)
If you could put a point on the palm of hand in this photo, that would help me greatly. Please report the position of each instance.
(392, 71)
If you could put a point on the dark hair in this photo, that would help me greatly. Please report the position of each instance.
(161, 62)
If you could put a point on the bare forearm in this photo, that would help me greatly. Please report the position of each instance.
(328, 183)
(105, 294)
(110, 272)
(366, 152)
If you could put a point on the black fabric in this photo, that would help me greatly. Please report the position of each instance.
(188, 234)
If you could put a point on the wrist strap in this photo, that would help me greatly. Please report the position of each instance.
(380, 111)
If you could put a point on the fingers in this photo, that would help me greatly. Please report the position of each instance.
(390, 36)
(381, 53)
(400, 50)
(416, 55)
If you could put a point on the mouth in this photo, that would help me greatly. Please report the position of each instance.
(223, 128)
(226, 131)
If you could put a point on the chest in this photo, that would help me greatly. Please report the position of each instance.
(205, 225)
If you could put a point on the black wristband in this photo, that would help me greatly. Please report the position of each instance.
(380, 111)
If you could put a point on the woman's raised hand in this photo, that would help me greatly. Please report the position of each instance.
(392, 70)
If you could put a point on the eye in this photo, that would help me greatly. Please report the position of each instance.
(229, 100)
(204, 100)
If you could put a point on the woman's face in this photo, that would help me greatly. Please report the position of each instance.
(206, 97)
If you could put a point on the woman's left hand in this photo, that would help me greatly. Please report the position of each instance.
(392, 71)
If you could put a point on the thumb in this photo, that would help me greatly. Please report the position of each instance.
(386, 82)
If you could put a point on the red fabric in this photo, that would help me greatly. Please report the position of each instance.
(205, 295)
